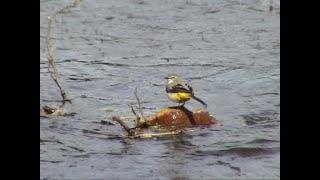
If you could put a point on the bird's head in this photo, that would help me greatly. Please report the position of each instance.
(171, 77)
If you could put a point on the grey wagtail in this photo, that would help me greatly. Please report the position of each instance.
(178, 90)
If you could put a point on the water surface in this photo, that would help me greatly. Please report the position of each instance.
(228, 50)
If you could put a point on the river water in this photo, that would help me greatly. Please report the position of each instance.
(229, 51)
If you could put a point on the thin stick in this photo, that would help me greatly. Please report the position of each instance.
(51, 67)
(138, 100)
(161, 134)
(124, 125)
(134, 112)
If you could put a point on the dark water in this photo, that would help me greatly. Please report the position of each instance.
(228, 50)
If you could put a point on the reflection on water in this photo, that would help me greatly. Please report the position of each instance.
(228, 50)
(177, 164)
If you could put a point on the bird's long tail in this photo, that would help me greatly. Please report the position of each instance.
(198, 99)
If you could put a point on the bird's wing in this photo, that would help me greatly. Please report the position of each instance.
(179, 88)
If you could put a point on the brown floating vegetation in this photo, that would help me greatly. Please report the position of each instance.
(168, 121)
(181, 117)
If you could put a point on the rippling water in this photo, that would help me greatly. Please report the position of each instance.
(228, 50)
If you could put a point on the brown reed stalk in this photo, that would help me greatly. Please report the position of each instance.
(51, 66)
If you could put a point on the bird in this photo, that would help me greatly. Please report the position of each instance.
(180, 91)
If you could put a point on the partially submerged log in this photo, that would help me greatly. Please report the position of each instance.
(180, 117)
(168, 121)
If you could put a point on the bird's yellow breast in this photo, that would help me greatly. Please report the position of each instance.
(179, 97)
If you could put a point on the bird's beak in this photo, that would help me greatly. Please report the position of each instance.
(166, 78)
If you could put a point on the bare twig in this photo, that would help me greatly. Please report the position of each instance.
(160, 134)
(51, 67)
(124, 125)
(138, 100)
(133, 111)
(140, 119)
(136, 133)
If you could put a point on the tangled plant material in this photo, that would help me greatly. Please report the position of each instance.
(168, 121)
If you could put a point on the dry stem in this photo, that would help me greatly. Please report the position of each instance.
(124, 125)
(138, 100)
(140, 119)
(51, 66)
